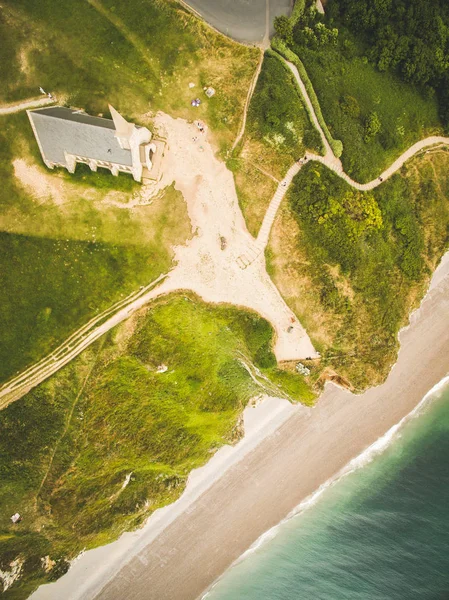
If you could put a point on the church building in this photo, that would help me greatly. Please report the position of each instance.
(67, 136)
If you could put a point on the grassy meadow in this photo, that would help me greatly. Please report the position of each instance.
(352, 265)
(278, 132)
(68, 248)
(138, 56)
(111, 418)
(375, 114)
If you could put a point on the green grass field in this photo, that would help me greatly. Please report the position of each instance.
(52, 287)
(66, 258)
(352, 265)
(73, 245)
(109, 415)
(350, 90)
(138, 56)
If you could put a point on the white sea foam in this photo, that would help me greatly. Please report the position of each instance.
(379, 446)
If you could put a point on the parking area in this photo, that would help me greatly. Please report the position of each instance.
(243, 20)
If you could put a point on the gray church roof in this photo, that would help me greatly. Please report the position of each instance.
(62, 129)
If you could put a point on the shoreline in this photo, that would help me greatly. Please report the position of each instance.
(287, 455)
(377, 448)
(92, 569)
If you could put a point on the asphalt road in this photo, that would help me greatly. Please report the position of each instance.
(243, 20)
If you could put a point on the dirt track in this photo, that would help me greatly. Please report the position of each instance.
(25, 105)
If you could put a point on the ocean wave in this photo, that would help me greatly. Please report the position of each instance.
(363, 459)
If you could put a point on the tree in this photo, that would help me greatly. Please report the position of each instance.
(284, 29)
(350, 106)
(410, 37)
(372, 126)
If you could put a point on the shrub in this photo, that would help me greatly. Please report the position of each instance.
(350, 106)
(283, 28)
(372, 126)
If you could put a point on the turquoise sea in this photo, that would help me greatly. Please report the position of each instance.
(381, 532)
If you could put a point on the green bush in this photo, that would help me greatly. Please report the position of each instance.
(298, 10)
(284, 28)
(350, 106)
(372, 126)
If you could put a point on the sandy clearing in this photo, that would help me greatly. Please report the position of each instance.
(39, 184)
(202, 266)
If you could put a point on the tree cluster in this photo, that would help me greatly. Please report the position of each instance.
(340, 217)
(409, 37)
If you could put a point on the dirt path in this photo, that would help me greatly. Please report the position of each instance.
(252, 87)
(263, 46)
(201, 265)
(20, 385)
(329, 155)
(24, 105)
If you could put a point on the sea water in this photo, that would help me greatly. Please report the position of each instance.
(380, 532)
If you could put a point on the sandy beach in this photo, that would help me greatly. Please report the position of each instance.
(287, 454)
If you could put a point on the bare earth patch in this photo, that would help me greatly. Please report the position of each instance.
(294, 283)
(37, 183)
(202, 265)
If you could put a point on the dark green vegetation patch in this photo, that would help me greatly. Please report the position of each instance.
(375, 113)
(367, 258)
(98, 447)
(408, 37)
(277, 115)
